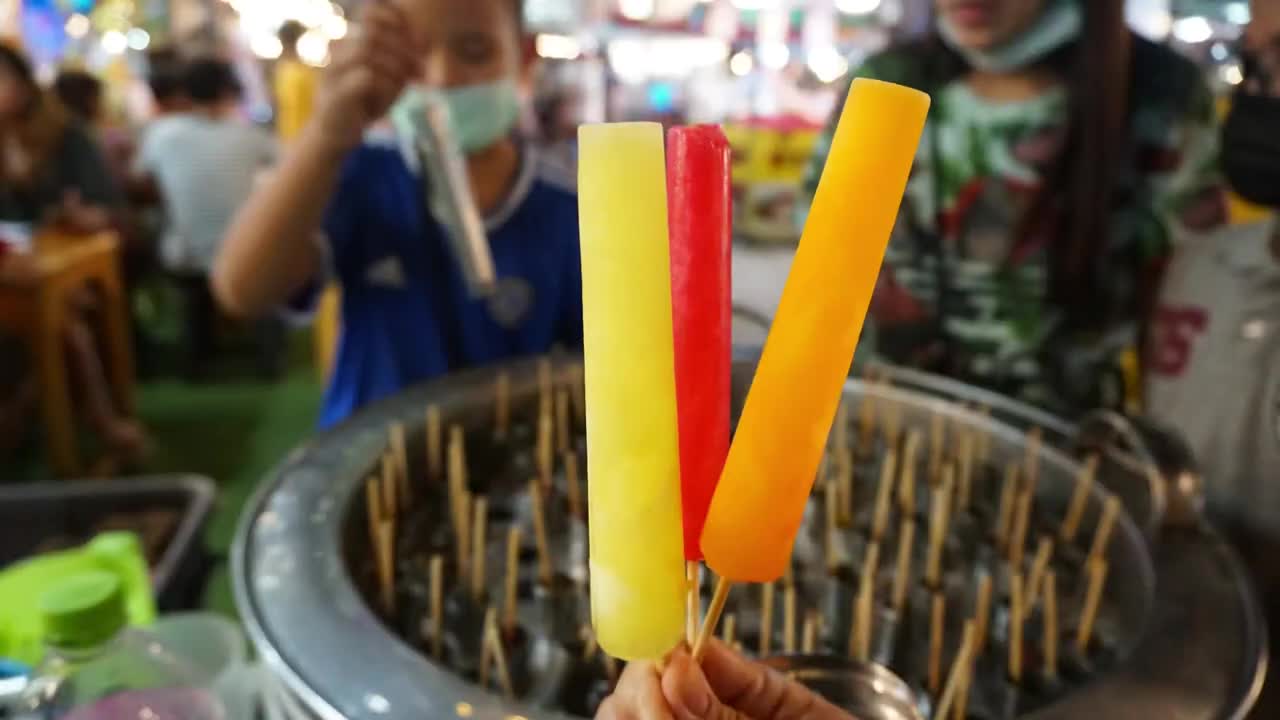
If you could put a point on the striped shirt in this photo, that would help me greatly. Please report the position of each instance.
(205, 168)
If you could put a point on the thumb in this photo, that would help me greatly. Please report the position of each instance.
(689, 694)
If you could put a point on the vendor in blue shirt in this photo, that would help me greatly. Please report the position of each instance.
(407, 314)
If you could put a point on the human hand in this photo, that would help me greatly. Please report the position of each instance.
(726, 686)
(18, 268)
(367, 72)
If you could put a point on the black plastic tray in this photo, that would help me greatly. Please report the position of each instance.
(32, 514)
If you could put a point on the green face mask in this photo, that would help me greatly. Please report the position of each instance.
(479, 115)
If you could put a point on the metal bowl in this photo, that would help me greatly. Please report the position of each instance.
(301, 570)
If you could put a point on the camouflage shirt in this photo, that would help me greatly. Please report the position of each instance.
(978, 168)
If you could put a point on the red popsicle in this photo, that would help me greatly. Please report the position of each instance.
(700, 208)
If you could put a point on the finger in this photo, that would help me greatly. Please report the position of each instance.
(613, 709)
(392, 44)
(385, 63)
(761, 692)
(640, 691)
(689, 694)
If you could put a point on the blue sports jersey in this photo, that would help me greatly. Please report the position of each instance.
(407, 316)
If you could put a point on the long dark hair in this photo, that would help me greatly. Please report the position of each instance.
(42, 120)
(1073, 204)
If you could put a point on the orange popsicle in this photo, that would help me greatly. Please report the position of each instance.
(769, 473)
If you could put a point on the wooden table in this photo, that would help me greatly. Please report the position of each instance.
(38, 312)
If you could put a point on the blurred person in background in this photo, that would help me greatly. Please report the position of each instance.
(204, 163)
(1215, 341)
(81, 94)
(167, 82)
(52, 173)
(368, 214)
(295, 84)
(1060, 151)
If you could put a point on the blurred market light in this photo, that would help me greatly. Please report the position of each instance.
(266, 46)
(114, 42)
(1150, 18)
(557, 47)
(857, 7)
(1237, 12)
(637, 9)
(77, 26)
(335, 27)
(1231, 74)
(636, 59)
(313, 48)
(138, 38)
(741, 64)
(1192, 30)
(775, 56)
(827, 64)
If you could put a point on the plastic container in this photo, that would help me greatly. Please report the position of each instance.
(97, 668)
(217, 649)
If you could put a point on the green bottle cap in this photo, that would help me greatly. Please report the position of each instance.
(82, 611)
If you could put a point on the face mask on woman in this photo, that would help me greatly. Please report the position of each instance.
(1058, 24)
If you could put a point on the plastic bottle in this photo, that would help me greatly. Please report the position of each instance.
(97, 668)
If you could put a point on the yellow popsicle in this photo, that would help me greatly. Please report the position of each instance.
(770, 470)
(637, 560)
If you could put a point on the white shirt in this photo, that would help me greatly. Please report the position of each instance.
(205, 168)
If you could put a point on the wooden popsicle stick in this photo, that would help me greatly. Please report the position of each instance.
(573, 378)
(386, 564)
(692, 600)
(544, 386)
(1015, 628)
(435, 456)
(937, 431)
(937, 539)
(564, 429)
(902, 576)
(1018, 537)
(892, 422)
(1079, 499)
(730, 633)
(1050, 625)
(464, 540)
(437, 607)
(544, 456)
(589, 645)
(373, 506)
(511, 581)
(866, 422)
(486, 652)
(573, 486)
(766, 619)
(861, 633)
(831, 531)
(1039, 565)
(964, 473)
(390, 504)
(1031, 463)
(479, 528)
(907, 474)
(789, 619)
(809, 633)
(401, 455)
(870, 568)
(545, 571)
(959, 668)
(498, 653)
(840, 428)
(884, 493)
(844, 462)
(982, 612)
(457, 480)
(1102, 536)
(502, 406)
(937, 616)
(1004, 515)
(708, 628)
(1093, 597)
(984, 437)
